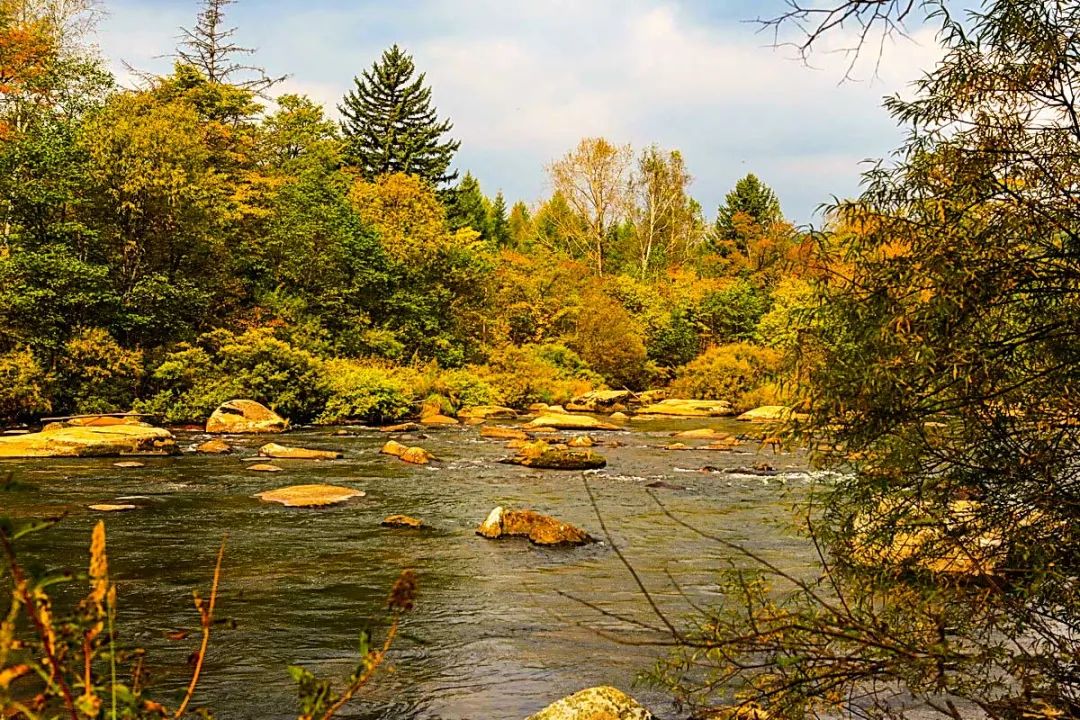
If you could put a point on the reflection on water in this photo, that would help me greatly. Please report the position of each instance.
(492, 637)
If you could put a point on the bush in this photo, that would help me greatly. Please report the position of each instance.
(221, 366)
(369, 393)
(612, 342)
(97, 375)
(739, 372)
(529, 374)
(24, 387)
(675, 342)
(452, 390)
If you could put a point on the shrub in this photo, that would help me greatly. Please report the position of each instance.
(98, 375)
(548, 373)
(739, 372)
(370, 393)
(455, 389)
(24, 386)
(195, 379)
(675, 342)
(612, 342)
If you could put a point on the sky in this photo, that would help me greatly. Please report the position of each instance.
(524, 80)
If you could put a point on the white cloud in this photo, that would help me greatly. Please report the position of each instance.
(523, 81)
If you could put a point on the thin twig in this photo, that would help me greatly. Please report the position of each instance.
(207, 621)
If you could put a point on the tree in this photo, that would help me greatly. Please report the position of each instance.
(498, 222)
(519, 225)
(390, 125)
(594, 181)
(210, 47)
(942, 368)
(664, 224)
(466, 207)
(752, 199)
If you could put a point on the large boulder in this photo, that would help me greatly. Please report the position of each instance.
(772, 414)
(61, 440)
(542, 456)
(600, 401)
(566, 421)
(486, 412)
(304, 496)
(689, 408)
(597, 703)
(245, 416)
(273, 450)
(540, 529)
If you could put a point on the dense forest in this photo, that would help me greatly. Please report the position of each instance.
(198, 238)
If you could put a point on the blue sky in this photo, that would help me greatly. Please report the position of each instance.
(524, 80)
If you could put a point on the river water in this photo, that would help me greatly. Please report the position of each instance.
(491, 637)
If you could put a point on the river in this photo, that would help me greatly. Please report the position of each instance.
(491, 637)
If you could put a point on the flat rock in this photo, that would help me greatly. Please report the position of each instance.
(619, 415)
(401, 428)
(129, 465)
(437, 420)
(689, 408)
(701, 434)
(599, 401)
(108, 507)
(247, 417)
(542, 456)
(310, 495)
(503, 433)
(539, 529)
(597, 703)
(273, 450)
(566, 421)
(214, 447)
(486, 412)
(264, 467)
(402, 521)
(772, 413)
(61, 440)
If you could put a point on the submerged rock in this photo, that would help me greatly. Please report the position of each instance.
(61, 440)
(401, 428)
(542, 456)
(129, 465)
(503, 433)
(245, 416)
(702, 434)
(108, 507)
(689, 408)
(566, 421)
(310, 495)
(539, 529)
(214, 447)
(403, 521)
(264, 467)
(597, 703)
(273, 450)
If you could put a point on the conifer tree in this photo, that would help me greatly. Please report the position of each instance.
(390, 125)
(210, 47)
(466, 206)
(499, 223)
(752, 198)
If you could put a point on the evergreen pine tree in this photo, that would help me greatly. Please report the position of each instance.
(751, 197)
(499, 223)
(520, 224)
(390, 125)
(466, 207)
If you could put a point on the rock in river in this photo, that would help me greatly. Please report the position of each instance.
(263, 467)
(486, 412)
(273, 450)
(540, 529)
(245, 416)
(599, 401)
(414, 455)
(60, 440)
(402, 428)
(566, 421)
(689, 408)
(403, 521)
(214, 447)
(597, 703)
(310, 495)
(772, 413)
(543, 456)
(503, 433)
